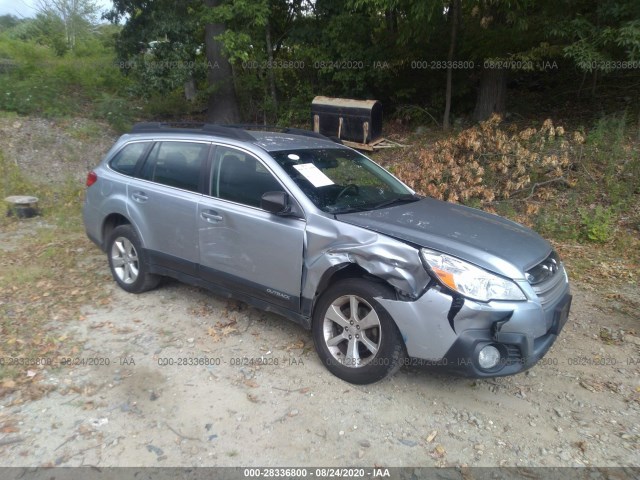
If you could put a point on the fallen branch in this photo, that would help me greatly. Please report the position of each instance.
(11, 441)
(546, 182)
(181, 435)
(72, 437)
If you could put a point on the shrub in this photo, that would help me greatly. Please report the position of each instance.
(597, 223)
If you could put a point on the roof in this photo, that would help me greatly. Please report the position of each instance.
(271, 141)
(277, 141)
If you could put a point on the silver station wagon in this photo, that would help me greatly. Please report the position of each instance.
(295, 223)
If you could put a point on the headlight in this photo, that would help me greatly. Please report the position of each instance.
(469, 280)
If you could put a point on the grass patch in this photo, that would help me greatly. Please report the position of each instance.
(48, 271)
(47, 277)
(59, 202)
(52, 86)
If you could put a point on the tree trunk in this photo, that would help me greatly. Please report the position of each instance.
(272, 79)
(190, 89)
(391, 19)
(223, 103)
(492, 95)
(455, 7)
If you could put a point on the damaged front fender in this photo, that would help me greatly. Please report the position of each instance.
(330, 243)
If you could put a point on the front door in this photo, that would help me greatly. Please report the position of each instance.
(243, 247)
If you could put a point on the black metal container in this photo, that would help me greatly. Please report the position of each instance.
(357, 121)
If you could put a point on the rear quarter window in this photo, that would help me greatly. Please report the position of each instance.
(126, 159)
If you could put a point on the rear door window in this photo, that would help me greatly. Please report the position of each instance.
(176, 164)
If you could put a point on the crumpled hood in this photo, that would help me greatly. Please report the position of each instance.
(487, 240)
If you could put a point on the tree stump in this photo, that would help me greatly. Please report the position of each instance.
(22, 206)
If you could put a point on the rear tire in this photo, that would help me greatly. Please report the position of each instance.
(355, 337)
(128, 262)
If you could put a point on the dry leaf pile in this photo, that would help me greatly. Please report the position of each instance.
(487, 162)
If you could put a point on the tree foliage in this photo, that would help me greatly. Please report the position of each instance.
(77, 17)
(596, 35)
(405, 53)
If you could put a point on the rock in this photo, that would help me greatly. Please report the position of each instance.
(632, 339)
(158, 451)
(190, 340)
(293, 413)
(365, 443)
(341, 433)
(360, 453)
(98, 422)
(565, 456)
(408, 443)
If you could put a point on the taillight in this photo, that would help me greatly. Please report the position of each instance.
(92, 178)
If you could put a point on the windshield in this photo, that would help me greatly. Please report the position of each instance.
(341, 180)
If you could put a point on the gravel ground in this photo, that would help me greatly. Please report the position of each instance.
(180, 377)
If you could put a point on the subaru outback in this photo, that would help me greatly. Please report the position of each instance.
(295, 223)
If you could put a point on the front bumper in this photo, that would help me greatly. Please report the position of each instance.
(449, 332)
(519, 352)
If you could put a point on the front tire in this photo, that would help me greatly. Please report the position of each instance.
(355, 337)
(128, 262)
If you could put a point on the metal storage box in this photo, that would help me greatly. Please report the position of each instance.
(358, 121)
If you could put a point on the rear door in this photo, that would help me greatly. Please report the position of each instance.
(163, 203)
(243, 247)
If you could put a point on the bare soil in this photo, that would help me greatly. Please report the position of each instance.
(181, 377)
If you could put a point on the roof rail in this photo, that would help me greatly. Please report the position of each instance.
(236, 131)
(293, 131)
(190, 127)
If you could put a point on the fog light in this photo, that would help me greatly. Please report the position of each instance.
(488, 357)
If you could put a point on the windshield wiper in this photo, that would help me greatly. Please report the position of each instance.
(363, 208)
(387, 203)
(402, 199)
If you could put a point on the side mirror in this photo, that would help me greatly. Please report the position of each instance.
(276, 203)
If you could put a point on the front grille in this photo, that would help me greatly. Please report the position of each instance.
(547, 279)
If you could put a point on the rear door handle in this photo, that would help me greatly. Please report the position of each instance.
(211, 217)
(139, 197)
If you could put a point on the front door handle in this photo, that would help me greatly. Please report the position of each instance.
(211, 217)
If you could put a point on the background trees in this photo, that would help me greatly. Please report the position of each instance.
(564, 75)
(428, 61)
(77, 17)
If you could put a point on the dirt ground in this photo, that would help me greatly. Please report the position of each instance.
(181, 377)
